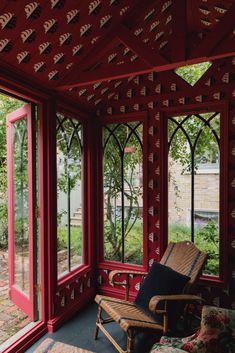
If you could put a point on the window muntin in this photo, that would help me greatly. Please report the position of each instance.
(123, 192)
(69, 195)
(192, 141)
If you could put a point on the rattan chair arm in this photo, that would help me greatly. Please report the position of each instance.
(174, 297)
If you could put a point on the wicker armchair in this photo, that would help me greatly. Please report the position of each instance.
(183, 257)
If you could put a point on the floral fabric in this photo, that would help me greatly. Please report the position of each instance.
(216, 335)
(162, 348)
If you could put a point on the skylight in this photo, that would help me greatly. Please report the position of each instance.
(193, 73)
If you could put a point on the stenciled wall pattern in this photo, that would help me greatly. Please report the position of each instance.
(150, 93)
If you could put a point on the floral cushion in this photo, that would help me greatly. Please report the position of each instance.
(171, 344)
(216, 335)
(163, 348)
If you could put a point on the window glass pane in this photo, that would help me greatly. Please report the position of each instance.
(179, 190)
(21, 205)
(194, 183)
(206, 202)
(123, 192)
(69, 194)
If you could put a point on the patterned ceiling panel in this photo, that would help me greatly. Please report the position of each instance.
(211, 11)
(118, 55)
(46, 38)
(154, 26)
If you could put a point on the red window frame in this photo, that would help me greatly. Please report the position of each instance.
(118, 119)
(85, 199)
(222, 108)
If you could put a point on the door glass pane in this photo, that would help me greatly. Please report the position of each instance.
(21, 204)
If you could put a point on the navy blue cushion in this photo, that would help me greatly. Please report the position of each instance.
(161, 280)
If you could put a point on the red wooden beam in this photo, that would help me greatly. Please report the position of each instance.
(109, 72)
(193, 24)
(226, 48)
(179, 30)
(215, 37)
(150, 57)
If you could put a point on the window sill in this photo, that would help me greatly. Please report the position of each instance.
(69, 276)
(211, 281)
(111, 265)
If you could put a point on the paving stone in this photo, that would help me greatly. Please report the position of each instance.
(4, 317)
(12, 319)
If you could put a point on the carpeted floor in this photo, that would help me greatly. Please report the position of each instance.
(79, 332)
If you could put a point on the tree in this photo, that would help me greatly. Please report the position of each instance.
(122, 184)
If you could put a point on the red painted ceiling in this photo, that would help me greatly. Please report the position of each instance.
(83, 47)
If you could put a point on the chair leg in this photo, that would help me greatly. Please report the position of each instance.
(97, 321)
(130, 341)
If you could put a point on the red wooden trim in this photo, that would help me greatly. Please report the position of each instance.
(123, 118)
(224, 27)
(163, 183)
(145, 192)
(31, 200)
(13, 81)
(71, 110)
(100, 194)
(150, 57)
(57, 321)
(42, 111)
(225, 47)
(179, 30)
(193, 24)
(89, 190)
(224, 137)
(194, 108)
(85, 210)
(27, 340)
(69, 277)
(110, 72)
(115, 265)
(51, 206)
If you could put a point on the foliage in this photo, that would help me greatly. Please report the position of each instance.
(133, 245)
(76, 239)
(122, 158)
(7, 105)
(192, 73)
(206, 238)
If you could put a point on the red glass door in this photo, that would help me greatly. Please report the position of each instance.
(21, 208)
